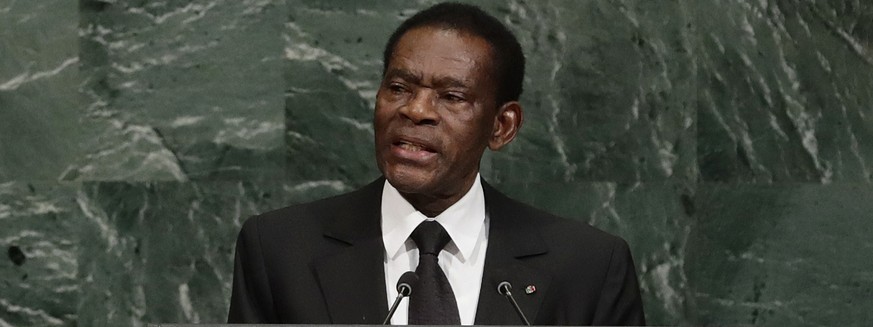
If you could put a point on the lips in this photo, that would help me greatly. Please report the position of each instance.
(413, 150)
(412, 146)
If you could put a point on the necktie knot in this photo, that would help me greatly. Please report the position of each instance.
(430, 237)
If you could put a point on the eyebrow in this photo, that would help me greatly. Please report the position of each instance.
(441, 81)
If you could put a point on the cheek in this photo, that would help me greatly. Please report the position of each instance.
(475, 128)
(469, 138)
(381, 115)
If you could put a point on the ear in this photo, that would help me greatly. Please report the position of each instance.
(506, 125)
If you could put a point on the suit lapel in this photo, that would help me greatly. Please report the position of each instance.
(511, 240)
(352, 279)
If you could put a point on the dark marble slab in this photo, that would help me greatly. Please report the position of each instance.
(184, 90)
(781, 255)
(329, 124)
(41, 251)
(609, 92)
(785, 91)
(40, 117)
(163, 252)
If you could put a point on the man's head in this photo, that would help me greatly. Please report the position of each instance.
(439, 105)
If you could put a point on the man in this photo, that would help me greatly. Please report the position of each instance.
(451, 82)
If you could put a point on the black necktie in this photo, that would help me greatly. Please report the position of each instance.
(432, 302)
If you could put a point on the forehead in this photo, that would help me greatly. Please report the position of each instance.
(440, 50)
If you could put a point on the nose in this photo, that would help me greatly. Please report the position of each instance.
(421, 108)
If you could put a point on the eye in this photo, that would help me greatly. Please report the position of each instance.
(454, 97)
(396, 88)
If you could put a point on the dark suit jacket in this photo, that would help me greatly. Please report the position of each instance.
(322, 262)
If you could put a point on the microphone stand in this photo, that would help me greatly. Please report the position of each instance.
(404, 289)
(505, 288)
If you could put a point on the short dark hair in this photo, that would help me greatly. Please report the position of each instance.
(505, 50)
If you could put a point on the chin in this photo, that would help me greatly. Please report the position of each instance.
(411, 183)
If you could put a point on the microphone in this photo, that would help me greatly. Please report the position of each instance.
(404, 289)
(505, 289)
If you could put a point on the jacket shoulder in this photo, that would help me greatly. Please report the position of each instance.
(559, 232)
(312, 218)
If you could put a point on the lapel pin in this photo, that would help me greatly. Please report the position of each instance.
(530, 289)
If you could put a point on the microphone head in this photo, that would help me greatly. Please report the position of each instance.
(504, 287)
(406, 282)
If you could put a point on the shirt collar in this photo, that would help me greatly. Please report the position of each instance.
(463, 220)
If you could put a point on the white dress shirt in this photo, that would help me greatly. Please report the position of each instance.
(462, 260)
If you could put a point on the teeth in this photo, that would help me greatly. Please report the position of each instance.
(410, 147)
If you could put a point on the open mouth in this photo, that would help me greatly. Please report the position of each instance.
(413, 152)
(412, 147)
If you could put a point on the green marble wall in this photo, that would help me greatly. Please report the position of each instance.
(729, 141)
